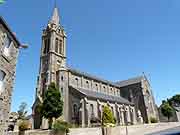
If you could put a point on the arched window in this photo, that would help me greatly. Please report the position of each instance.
(111, 91)
(87, 84)
(46, 45)
(114, 91)
(76, 82)
(91, 110)
(60, 47)
(75, 110)
(56, 46)
(96, 86)
(104, 89)
(2, 77)
(62, 78)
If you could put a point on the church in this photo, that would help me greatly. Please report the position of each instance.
(85, 95)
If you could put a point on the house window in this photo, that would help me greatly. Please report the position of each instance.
(7, 43)
(2, 77)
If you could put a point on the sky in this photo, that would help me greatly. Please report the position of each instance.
(115, 40)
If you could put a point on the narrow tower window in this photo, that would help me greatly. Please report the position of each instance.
(61, 47)
(46, 45)
(57, 78)
(57, 46)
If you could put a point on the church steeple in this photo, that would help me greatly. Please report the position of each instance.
(53, 52)
(55, 19)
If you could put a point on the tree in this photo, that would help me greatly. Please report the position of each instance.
(175, 100)
(107, 116)
(167, 110)
(22, 112)
(52, 105)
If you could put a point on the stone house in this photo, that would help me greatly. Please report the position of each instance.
(9, 49)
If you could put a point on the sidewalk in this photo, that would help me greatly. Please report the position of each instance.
(148, 128)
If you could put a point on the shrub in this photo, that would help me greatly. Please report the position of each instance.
(61, 126)
(153, 120)
(23, 125)
(108, 119)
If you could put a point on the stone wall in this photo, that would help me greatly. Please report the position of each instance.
(120, 130)
(8, 58)
(33, 132)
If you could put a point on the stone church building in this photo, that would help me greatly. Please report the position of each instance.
(85, 95)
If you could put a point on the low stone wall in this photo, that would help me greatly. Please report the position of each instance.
(85, 131)
(33, 132)
(120, 130)
(73, 131)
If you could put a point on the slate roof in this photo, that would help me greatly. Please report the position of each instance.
(130, 81)
(101, 96)
(92, 77)
(3, 22)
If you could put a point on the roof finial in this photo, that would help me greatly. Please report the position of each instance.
(55, 3)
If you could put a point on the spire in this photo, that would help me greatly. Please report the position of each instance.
(55, 17)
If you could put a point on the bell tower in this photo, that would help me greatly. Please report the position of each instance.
(53, 53)
(52, 59)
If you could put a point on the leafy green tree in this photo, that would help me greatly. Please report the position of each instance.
(107, 116)
(52, 106)
(175, 100)
(22, 112)
(167, 110)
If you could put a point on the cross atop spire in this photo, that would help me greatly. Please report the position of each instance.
(55, 16)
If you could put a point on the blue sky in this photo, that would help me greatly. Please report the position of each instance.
(115, 40)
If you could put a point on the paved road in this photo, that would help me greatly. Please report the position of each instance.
(168, 131)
